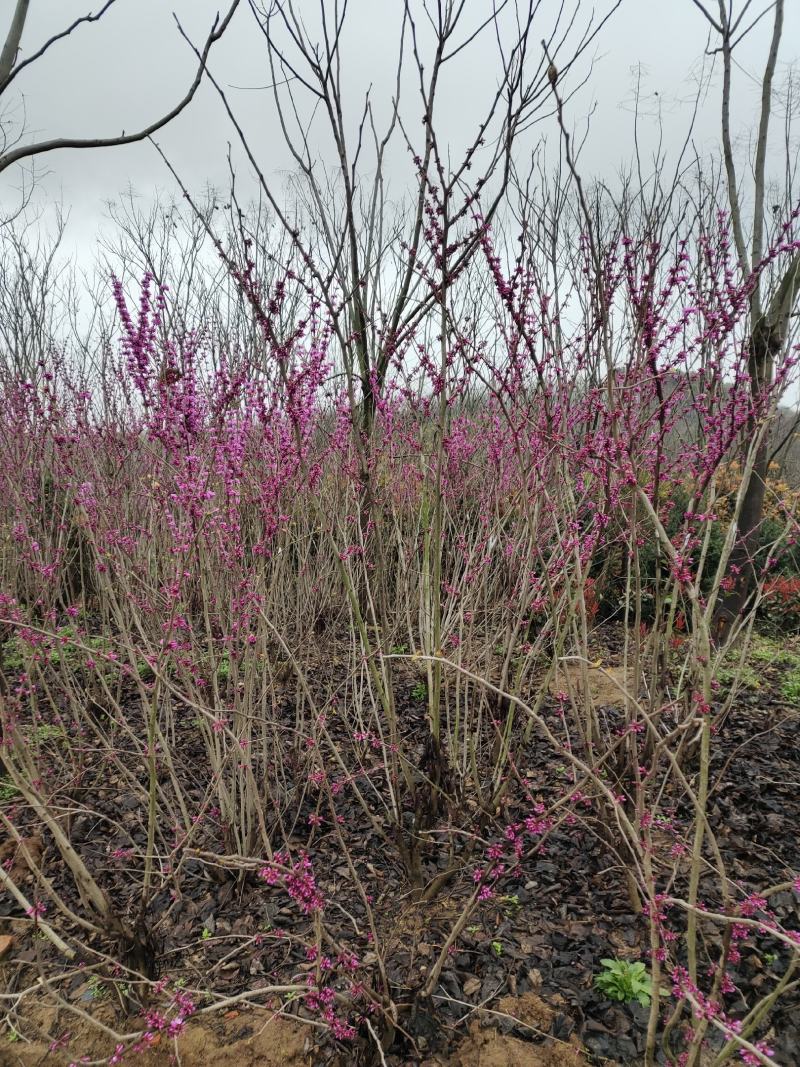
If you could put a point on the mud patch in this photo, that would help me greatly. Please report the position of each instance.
(607, 685)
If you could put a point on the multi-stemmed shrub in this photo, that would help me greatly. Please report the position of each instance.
(186, 542)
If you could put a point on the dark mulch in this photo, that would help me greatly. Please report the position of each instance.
(548, 926)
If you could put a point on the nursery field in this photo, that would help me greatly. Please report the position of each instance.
(326, 748)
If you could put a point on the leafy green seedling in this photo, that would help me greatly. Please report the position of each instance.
(7, 790)
(96, 990)
(628, 982)
(510, 903)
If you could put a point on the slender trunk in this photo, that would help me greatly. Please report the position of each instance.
(8, 56)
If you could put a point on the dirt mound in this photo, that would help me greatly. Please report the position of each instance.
(486, 1046)
(249, 1040)
(489, 1048)
(529, 1009)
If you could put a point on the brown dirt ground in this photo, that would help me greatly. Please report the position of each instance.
(607, 685)
(261, 1039)
(249, 1040)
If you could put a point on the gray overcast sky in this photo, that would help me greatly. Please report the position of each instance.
(133, 65)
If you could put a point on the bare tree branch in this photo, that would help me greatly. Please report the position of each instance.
(27, 151)
(7, 76)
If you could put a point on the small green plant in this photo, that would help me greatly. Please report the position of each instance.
(206, 934)
(48, 732)
(13, 659)
(768, 651)
(96, 989)
(224, 667)
(769, 958)
(628, 982)
(791, 688)
(7, 790)
(497, 948)
(62, 651)
(420, 691)
(510, 903)
(144, 670)
(745, 675)
(65, 651)
(399, 650)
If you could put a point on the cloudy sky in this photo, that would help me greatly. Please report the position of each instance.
(125, 70)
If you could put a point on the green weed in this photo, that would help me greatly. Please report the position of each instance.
(627, 982)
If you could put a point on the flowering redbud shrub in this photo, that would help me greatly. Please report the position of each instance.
(250, 611)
